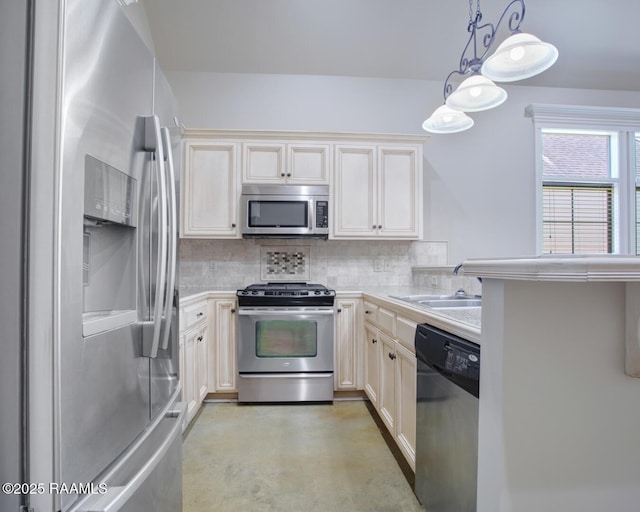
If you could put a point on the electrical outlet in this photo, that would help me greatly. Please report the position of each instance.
(378, 264)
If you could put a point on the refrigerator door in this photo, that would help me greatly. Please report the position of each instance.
(13, 44)
(147, 479)
(103, 376)
(164, 368)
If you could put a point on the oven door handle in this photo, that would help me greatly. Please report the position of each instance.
(283, 375)
(283, 312)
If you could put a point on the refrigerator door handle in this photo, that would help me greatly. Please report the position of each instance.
(172, 234)
(151, 329)
(116, 497)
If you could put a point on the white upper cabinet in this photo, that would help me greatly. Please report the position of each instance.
(354, 198)
(375, 179)
(210, 190)
(377, 192)
(285, 162)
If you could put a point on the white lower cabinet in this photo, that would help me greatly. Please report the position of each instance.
(348, 358)
(194, 341)
(372, 364)
(390, 375)
(387, 402)
(222, 346)
(405, 420)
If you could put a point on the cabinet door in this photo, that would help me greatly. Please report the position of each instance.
(210, 194)
(263, 162)
(201, 364)
(182, 366)
(354, 202)
(189, 383)
(372, 365)
(223, 349)
(387, 404)
(406, 374)
(346, 353)
(400, 192)
(308, 164)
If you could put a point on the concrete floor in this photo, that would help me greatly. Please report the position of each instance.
(293, 458)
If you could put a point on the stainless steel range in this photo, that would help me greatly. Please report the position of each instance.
(285, 343)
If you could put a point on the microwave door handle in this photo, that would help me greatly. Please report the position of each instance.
(311, 214)
(153, 142)
(172, 234)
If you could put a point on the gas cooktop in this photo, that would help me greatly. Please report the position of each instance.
(286, 294)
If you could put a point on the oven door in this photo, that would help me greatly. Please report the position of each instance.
(285, 339)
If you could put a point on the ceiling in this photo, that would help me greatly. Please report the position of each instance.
(398, 39)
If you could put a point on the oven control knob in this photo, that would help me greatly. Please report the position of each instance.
(317, 292)
(327, 292)
(254, 292)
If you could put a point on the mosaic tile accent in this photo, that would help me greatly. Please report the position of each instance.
(284, 263)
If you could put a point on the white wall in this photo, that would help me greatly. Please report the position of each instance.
(480, 189)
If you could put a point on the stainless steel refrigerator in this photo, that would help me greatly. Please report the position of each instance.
(91, 416)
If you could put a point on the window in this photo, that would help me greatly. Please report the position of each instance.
(587, 179)
(577, 192)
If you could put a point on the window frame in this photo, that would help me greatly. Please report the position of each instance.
(624, 123)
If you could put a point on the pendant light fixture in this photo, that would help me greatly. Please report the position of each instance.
(476, 93)
(447, 120)
(520, 56)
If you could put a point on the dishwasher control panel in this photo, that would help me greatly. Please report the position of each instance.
(453, 357)
(462, 362)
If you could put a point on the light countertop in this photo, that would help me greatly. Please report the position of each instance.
(579, 268)
(464, 322)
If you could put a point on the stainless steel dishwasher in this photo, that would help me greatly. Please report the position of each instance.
(446, 421)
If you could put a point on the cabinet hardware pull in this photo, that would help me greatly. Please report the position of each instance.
(367, 312)
(374, 340)
(233, 310)
(373, 227)
(379, 226)
(233, 225)
(199, 313)
(282, 174)
(392, 356)
(199, 338)
(288, 175)
(339, 310)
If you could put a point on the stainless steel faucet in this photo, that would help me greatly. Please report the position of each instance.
(456, 269)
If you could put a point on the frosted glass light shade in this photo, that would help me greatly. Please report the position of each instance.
(447, 120)
(520, 56)
(476, 93)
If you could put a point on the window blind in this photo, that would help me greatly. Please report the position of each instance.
(578, 219)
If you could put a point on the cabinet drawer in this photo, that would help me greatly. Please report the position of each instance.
(371, 313)
(406, 332)
(387, 321)
(193, 314)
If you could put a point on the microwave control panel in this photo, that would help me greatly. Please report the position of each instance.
(322, 214)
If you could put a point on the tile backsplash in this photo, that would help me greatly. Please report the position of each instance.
(343, 265)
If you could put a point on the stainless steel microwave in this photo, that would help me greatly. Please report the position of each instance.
(285, 211)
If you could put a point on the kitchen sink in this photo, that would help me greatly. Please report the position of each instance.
(456, 300)
(451, 303)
